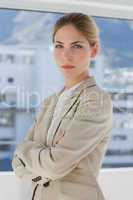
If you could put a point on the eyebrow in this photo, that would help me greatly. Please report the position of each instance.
(75, 42)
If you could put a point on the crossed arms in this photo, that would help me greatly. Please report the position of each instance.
(89, 126)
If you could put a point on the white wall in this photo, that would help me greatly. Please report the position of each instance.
(116, 184)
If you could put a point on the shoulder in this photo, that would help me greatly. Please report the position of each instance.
(95, 99)
(95, 93)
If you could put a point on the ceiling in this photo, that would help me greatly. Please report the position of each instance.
(109, 8)
(112, 2)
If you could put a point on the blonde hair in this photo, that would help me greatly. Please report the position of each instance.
(82, 22)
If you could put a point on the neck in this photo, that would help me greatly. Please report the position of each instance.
(71, 82)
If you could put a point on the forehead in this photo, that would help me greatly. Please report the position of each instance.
(69, 33)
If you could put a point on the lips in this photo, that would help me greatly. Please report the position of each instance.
(67, 66)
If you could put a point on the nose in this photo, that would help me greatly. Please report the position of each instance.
(67, 53)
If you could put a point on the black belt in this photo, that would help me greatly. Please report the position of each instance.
(34, 192)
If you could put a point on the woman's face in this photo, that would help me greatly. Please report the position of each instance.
(72, 51)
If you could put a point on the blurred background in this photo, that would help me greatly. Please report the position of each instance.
(28, 74)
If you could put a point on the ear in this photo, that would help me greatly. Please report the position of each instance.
(94, 50)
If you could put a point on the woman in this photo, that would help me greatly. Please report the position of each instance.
(62, 152)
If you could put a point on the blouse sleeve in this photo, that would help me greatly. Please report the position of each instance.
(91, 123)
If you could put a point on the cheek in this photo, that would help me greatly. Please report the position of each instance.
(57, 55)
(83, 56)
